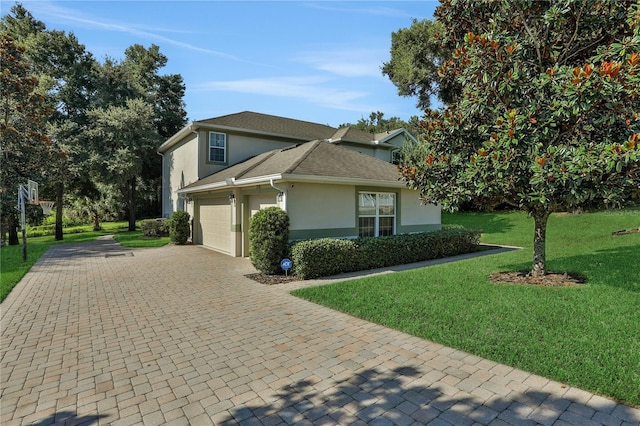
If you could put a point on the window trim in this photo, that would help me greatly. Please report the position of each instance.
(377, 215)
(224, 149)
(396, 156)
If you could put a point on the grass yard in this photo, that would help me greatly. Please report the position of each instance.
(13, 268)
(586, 336)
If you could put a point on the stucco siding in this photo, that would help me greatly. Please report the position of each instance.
(317, 206)
(178, 171)
(413, 212)
(259, 202)
(239, 148)
(396, 141)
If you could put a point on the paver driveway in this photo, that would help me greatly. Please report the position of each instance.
(100, 334)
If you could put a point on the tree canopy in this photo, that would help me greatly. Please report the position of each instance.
(25, 148)
(79, 92)
(416, 55)
(547, 115)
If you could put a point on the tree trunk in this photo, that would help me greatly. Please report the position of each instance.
(12, 227)
(59, 196)
(132, 205)
(539, 242)
(96, 219)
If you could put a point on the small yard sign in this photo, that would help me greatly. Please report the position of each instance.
(286, 264)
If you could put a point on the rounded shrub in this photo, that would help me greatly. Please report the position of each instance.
(179, 229)
(269, 239)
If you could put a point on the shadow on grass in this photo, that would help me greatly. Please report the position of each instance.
(492, 223)
(615, 267)
(399, 397)
(69, 418)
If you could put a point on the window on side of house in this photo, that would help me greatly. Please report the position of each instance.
(376, 214)
(396, 156)
(217, 147)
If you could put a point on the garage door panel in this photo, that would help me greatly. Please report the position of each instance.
(215, 224)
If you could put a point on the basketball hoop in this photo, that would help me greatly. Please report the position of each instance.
(46, 206)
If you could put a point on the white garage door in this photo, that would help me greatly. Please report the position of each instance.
(215, 224)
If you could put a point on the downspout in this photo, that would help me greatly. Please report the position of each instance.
(282, 191)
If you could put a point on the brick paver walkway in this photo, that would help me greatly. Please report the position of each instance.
(100, 334)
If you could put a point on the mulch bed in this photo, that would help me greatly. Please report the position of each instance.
(551, 279)
(272, 279)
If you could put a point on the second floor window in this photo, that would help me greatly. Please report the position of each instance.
(217, 147)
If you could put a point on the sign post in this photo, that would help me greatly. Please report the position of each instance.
(22, 194)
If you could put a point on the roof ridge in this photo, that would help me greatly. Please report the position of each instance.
(267, 155)
(295, 165)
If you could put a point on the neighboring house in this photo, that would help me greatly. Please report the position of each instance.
(331, 182)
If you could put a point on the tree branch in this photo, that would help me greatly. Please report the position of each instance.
(533, 36)
(575, 33)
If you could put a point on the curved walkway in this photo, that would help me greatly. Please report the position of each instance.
(100, 334)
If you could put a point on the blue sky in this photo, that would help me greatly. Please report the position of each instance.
(310, 60)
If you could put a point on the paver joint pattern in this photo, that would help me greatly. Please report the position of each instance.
(100, 335)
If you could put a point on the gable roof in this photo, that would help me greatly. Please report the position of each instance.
(281, 127)
(272, 124)
(316, 161)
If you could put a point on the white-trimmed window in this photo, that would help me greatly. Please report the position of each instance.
(217, 147)
(376, 214)
(396, 156)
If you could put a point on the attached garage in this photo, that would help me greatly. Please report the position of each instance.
(318, 184)
(214, 221)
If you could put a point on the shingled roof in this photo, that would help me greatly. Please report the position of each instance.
(316, 160)
(249, 120)
(253, 122)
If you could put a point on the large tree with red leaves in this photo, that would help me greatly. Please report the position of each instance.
(547, 117)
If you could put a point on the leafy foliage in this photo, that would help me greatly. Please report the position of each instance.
(547, 118)
(66, 80)
(123, 137)
(24, 147)
(416, 56)
(155, 228)
(76, 87)
(327, 256)
(269, 239)
(179, 228)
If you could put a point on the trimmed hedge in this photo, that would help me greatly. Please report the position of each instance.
(327, 256)
(179, 228)
(269, 239)
(155, 228)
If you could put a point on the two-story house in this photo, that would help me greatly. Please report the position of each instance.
(332, 182)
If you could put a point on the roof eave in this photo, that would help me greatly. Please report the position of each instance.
(230, 182)
(192, 127)
(291, 177)
(342, 180)
(398, 132)
(197, 125)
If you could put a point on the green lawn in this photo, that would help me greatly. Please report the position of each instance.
(13, 268)
(587, 336)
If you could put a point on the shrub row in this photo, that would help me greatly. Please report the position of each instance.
(155, 228)
(326, 256)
